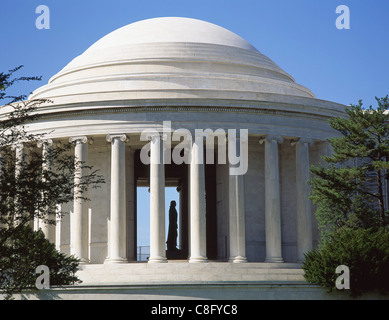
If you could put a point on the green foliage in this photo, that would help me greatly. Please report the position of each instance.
(349, 193)
(349, 188)
(23, 252)
(364, 251)
(31, 187)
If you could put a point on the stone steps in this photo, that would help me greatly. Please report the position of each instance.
(179, 272)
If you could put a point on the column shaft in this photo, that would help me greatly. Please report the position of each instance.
(304, 212)
(49, 230)
(79, 216)
(157, 200)
(117, 234)
(21, 159)
(198, 250)
(237, 228)
(272, 200)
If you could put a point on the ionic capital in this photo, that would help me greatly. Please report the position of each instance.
(302, 141)
(44, 142)
(21, 147)
(200, 134)
(154, 135)
(80, 139)
(241, 135)
(122, 137)
(18, 146)
(271, 138)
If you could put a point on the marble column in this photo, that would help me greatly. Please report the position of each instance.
(49, 230)
(157, 199)
(237, 228)
(21, 159)
(58, 227)
(79, 217)
(304, 211)
(198, 249)
(272, 200)
(117, 235)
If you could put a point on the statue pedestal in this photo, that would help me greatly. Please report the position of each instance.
(175, 254)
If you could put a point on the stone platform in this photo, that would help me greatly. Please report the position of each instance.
(180, 271)
(180, 280)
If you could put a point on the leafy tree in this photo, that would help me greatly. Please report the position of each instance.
(31, 187)
(29, 250)
(349, 191)
(364, 251)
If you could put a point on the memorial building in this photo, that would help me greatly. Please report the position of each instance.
(136, 94)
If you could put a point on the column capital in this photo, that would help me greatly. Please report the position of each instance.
(18, 146)
(81, 139)
(44, 142)
(238, 136)
(21, 147)
(153, 135)
(122, 137)
(215, 133)
(200, 134)
(270, 138)
(302, 141)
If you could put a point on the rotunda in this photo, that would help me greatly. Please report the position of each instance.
(130, 100)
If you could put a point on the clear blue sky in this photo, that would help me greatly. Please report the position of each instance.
(299, 35)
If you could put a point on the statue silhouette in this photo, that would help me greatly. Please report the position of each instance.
(173, 226)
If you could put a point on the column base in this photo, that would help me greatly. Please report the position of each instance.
(237, 259)
(198, 259)
(157, 260)
(274, 260)
(115, 260)
(84, 261)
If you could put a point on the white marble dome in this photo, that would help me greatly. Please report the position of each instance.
(170, 58)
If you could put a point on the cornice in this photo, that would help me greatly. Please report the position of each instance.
(162, 108)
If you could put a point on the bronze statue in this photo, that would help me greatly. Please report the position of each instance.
(173, 226)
